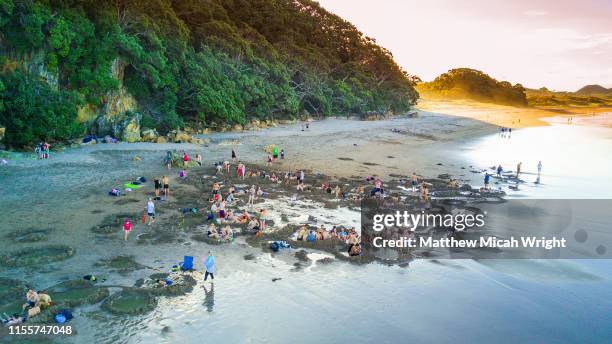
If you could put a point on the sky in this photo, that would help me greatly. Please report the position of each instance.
(559, 44)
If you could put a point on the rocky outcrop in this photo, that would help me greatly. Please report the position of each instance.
(178, 136)
(149, 135)
(125, 127)
(2, 132)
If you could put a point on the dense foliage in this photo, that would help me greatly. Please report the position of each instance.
(204, 61)
(465, 83)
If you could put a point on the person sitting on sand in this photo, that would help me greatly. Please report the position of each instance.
(424, 195)
(230, 197)
(253, 225)
(337, 191)
(182, 174)
(212, 231)
(355, 250)
(343, 235)
(414, 181)
(273, 178)
(244, 217)
(453, 183)
(32, 299)
(302, 233)
(311, 236)
(260, 192)
(44, 300)
(222, 206)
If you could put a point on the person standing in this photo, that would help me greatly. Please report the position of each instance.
(166, 183)
(209, 266)
(499, 170)
(158, 186)
(518, 169)
(487, 178)
(275, 152)
(127, 228)
(151, 211)
(282, 153)
(233, 154)
(185, 159)
(539, 167)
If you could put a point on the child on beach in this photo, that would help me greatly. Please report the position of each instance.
(486, 181)
(151, 211)
(209, 266)
(127, 228)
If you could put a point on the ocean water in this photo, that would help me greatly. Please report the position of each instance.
(575, 159)
(447, 301)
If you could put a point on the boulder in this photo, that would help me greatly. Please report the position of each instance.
(149, 135)
(161, 139)
(125, 127)
(130, 128)
(178, 136)
(2, 132)
(237, 127)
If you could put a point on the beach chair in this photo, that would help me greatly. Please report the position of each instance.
(187, 263)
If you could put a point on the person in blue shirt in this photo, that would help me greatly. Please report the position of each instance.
(209, 266)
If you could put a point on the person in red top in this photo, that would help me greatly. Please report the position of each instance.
(185, 159)
(127, 228)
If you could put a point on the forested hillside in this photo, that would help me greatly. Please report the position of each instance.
(65, 64)
(466, 83)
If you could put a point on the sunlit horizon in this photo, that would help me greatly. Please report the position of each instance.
(562, 45)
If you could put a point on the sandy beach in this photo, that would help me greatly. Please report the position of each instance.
(63, 204)
(506, 116)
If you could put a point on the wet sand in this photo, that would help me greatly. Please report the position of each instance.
(68, 195)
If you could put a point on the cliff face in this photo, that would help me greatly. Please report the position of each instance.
(107, 65)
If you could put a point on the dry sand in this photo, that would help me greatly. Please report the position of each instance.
(502, 115)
